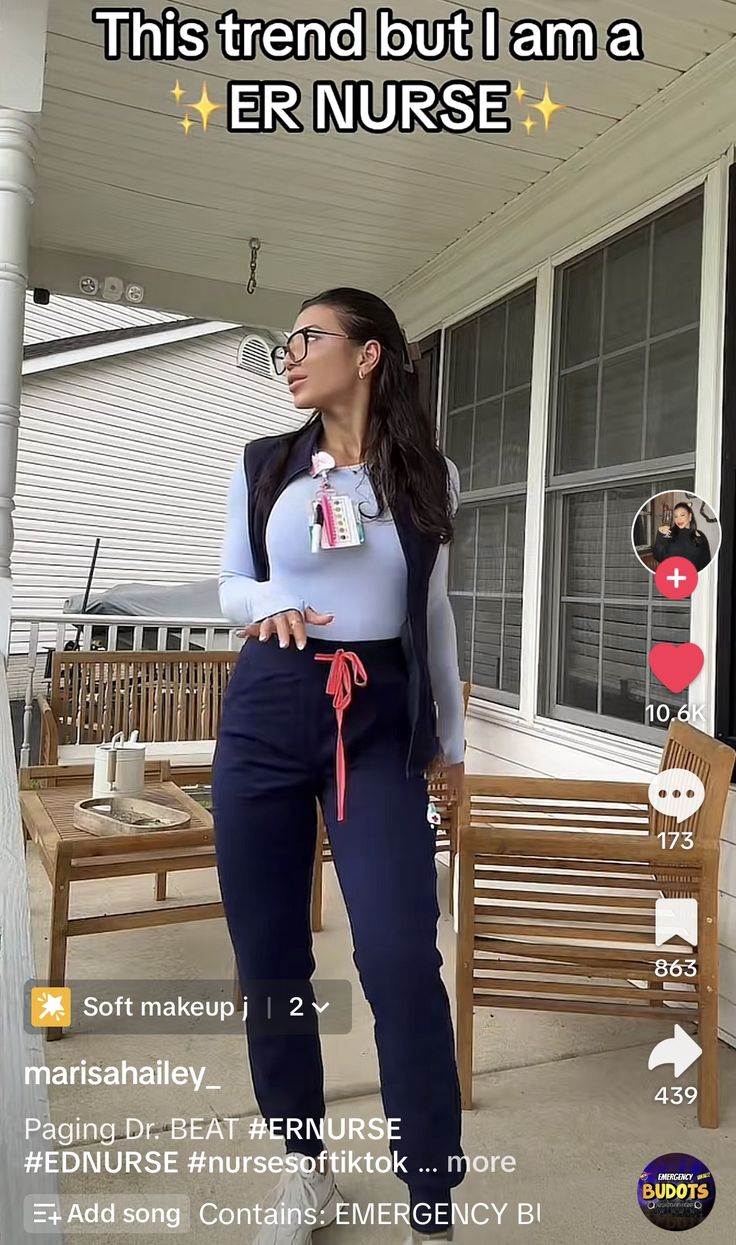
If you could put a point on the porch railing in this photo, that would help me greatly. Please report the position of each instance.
(34, 636)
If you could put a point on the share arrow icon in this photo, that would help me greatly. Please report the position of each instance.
(680, 1050)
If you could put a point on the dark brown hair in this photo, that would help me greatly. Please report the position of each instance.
(401, 454)
(692, 526)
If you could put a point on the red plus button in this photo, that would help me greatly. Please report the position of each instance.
(676, 578)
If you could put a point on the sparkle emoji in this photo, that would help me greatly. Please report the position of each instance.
(547, 106)
(529, 125)
(205, 107)
(53, 1007)
(519, 92)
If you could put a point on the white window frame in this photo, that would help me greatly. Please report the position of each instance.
(713, 178)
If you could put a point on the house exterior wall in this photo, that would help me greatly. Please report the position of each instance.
(137, 449)
(678, 142)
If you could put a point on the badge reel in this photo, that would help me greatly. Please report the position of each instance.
(334, 518)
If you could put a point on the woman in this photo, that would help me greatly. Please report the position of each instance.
(682, 539)
(348, 651)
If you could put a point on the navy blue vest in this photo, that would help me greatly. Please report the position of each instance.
(420, 552)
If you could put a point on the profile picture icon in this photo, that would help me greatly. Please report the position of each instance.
(675, 524)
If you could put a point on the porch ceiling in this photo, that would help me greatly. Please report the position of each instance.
(119, 179)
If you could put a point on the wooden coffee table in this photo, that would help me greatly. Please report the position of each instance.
(71, 855)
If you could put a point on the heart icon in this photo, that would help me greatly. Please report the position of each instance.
(676, 665)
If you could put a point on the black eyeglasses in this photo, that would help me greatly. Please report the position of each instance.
(297, 345)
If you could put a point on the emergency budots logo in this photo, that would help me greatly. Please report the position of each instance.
(676, 1192)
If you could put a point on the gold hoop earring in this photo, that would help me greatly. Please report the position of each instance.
(361, 375)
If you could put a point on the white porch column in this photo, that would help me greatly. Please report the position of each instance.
(17, 153)
(23, 26)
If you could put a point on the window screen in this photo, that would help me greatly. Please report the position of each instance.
(486, 433)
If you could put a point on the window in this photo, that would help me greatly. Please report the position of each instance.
(624, 407)
(486, 433)
(426, 369)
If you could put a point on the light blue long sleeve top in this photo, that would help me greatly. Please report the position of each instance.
(363, 586)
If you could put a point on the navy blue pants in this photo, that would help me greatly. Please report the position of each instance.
(275, 756)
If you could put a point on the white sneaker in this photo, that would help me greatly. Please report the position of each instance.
(313, 1191)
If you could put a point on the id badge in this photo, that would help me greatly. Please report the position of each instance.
(335, 522)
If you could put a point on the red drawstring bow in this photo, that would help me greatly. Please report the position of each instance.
(340, 686)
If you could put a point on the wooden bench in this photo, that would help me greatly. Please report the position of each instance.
(173, 700)
(558, 881)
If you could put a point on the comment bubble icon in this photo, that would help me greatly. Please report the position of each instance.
(676, 793)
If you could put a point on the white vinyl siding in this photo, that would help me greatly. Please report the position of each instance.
(64, 317)
(138, 450)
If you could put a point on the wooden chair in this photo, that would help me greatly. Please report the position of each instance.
(445, 840)
(170, 698)
(556, 902)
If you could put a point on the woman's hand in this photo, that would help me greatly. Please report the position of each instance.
(454, 776)
(666, 531)
(286, 624)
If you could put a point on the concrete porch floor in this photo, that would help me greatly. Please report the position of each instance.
(570, 1097)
